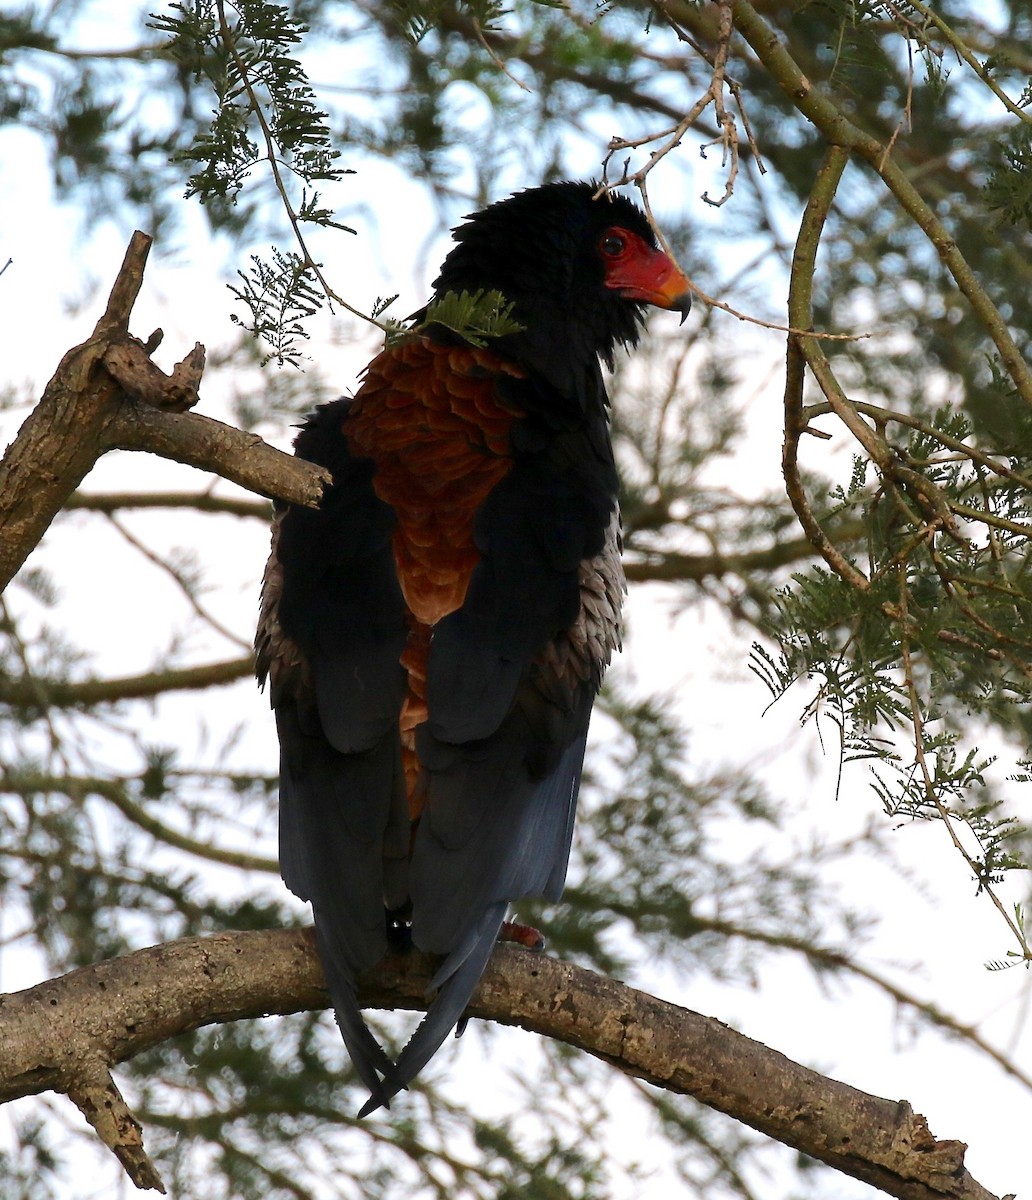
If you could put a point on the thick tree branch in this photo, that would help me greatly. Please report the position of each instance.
(56, 1034)
(61, 439)
(235, 454)
(106, 394)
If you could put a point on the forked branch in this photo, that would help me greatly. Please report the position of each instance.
(107, 394)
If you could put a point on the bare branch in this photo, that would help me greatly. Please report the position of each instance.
(210, 445)
(800, 350)
(106, 394)
(109, 1012)
(838, 130)
(38, 691)
(964, 52)
(206, 502)
(98, 1099)
(671, 567)
(183, 582)
(116, 792)
(66, 432)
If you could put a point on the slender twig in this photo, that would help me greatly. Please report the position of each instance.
(964, 53)
(886, 415)
(206, 502)
(671, 137)
(179, 578)
(955, 589)
(906, 119)
(821, 111)
(990, 518)
(719, 1154)
(31, 691)
(925, 534)
(116, 792)
(479, 32)
(728, 137)
(142, 53)
(777, 326)
(824, 958)
(309, 264)
(35, 685)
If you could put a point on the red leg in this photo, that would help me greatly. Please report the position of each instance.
(523, 935)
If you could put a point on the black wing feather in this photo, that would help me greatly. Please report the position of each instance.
(518, 846)
(342, 799)
(496, 822)
(547, 516)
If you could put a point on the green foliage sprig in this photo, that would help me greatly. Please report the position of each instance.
(418, 17)
(475, 316)
(264, 96)
(279, 296)
(1009, 187)
(266, 113)
(250, 61)
(939, 636)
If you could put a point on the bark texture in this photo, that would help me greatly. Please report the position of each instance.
(65, 1034)
(107, 394)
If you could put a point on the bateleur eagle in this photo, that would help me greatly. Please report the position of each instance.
(434, 634)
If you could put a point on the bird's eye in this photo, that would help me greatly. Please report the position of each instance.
(613, 245)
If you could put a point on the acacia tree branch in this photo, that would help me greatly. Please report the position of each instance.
(827, 958)
(37, 691)
(78, 1026)
(210, 445)
(206, 502)
(116, 792)
(832, 123)
(694, 568)
(804, 259)
(61, 439)
(107, 394)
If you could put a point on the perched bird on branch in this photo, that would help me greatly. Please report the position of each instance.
(434, 634)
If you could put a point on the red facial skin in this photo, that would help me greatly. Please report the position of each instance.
(640, 272)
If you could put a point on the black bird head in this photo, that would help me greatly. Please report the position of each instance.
(578, 270)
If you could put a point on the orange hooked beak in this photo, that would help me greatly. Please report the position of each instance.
(652, 277)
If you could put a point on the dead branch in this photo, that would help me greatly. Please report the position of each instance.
(107, 394)
(235, 454)
(75, 1028)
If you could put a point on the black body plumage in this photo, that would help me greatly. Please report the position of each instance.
(444, 799)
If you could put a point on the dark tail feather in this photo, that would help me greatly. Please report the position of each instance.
(367, 1055)
(456, 979)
